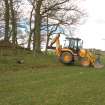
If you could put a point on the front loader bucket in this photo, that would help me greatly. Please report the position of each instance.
(97, 64)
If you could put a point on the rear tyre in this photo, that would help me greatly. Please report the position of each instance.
(66, 58)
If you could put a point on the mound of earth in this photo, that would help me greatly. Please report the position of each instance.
(5, 44)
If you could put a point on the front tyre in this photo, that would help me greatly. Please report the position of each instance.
(85, 62)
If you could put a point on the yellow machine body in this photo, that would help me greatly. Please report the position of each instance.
(69, 55)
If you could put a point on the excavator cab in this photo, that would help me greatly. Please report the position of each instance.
(75, 44)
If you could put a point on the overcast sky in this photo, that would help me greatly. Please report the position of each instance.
(93, 31)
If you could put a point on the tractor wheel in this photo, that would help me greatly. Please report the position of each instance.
(66, 58)
(85, 62)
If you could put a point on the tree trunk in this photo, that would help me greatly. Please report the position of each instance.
(47, 36)
(47, 42)
(29, 40)
(36, 37)
(31, 31)
(14, 24)
(6, 18)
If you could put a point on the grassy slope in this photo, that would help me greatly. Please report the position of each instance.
(44, 81)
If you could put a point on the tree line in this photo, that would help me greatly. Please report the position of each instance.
(45, 17)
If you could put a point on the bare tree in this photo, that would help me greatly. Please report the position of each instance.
(40, 11)
(10, 19)
(30, 23)
(13, 22)
(6, 18)
(31, 30)
(66, 12)
(38, 18)
(1, 19)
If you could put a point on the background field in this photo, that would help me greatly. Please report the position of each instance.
(42, 80)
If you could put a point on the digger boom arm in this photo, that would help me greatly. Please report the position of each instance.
(58, 46)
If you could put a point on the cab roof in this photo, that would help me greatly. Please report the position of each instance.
(73, 38)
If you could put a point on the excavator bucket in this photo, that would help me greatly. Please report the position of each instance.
(97, 63)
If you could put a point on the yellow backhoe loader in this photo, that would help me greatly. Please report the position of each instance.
(73, 51)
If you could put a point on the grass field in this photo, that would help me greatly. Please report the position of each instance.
(44, 81)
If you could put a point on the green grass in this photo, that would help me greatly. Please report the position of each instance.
(44, 81)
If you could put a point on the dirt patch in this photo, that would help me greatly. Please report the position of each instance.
(43, 66)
